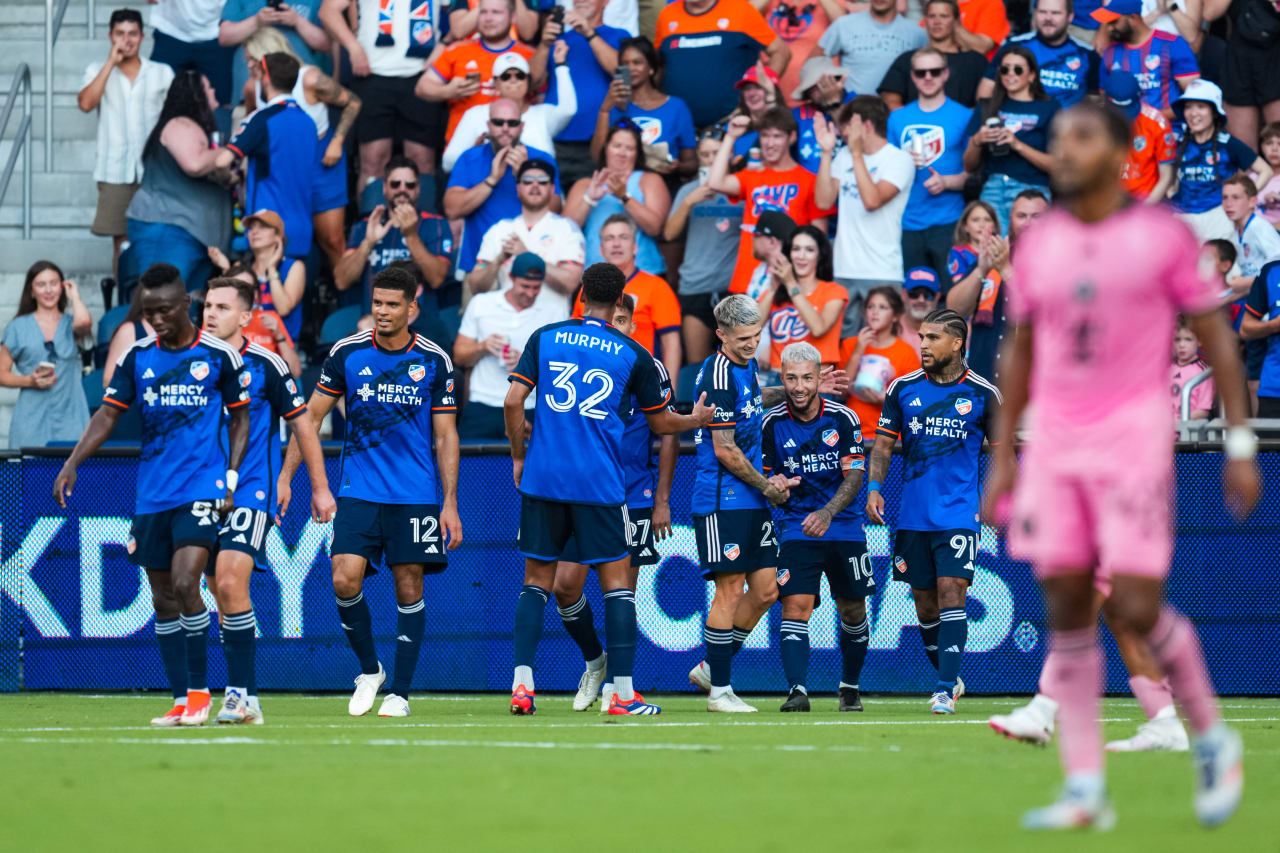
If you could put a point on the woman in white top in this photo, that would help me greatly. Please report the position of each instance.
(541, 121)
(315, 92)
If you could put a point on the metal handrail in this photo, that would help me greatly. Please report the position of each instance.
(1203, 376)
(21, 143)
(52, 26)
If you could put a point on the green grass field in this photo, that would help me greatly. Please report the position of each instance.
(86, 772)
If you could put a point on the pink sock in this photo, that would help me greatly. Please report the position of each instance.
(1047, 674)
(1153, 696)
(1075, 681)
(1176, 646)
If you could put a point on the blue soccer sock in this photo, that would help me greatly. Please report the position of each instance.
(929, 634)
(357, 622)
(580, 623)
(853, 651)
(528, 630)
(620, 634)
(411, 625)
(195, 628)
(719, 642)
(173, 653)
(952, 636)
(238, 645)
(739, 637)
(794, 643)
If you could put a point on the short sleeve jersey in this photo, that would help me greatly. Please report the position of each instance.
(279, 142)
(657, 308)
(581, 371)
(734, 391)
(1153, 144)
(1068, 71)
(388, 454)
(820, 452)
(790, 191)
(638, 463)
(942, 428)
(1158, 64)
(474, 166)
(180, 396)
(1263, 303)
(472, 56)
(433, 231)
(273, 394)
(1204, 166)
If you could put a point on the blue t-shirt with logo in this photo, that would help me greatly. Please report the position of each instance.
(671, 122)
(436, 236)
(1204, 166)
(180, 396)
(735, 392)
(820, 452)
(1029, 120)
(273, 394)
(940, 134)
(279, 142)
(590, 81)
(1068, 71)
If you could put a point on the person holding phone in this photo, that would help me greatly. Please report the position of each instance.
(38, 355)
(665, 121)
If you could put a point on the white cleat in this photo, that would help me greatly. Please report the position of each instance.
(1219, 763)
(1163, 734)
(1029, 724)
(958, 690)
(941, 703)
(394, 706)
(253, 712)
(606, 697)
(234, 708)
(729, 703)
(700, 677)
(367, 687)
(589, 688)
(1073, 810)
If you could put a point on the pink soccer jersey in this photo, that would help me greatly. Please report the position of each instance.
(1102, 299)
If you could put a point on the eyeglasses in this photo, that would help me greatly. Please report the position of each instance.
(395, 185)
(513, 74)
(506, 122)
(921, 73)
(539, 180)
(920, 293)
(1017, 70)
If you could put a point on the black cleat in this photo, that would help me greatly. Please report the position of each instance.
(849, 699)
(797, 701)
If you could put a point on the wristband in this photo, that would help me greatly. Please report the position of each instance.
(233, 479)
(594, 34)
(489, 185)
(1240, 443)
(591, 202)
(873, 485)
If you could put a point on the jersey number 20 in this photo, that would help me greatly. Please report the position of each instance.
(596, 383)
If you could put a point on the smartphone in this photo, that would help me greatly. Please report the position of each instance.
(473, 76)
(275, 4)
(557, 15)
(623, 73)
(45, 367)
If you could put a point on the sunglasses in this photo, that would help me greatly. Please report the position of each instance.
(408, 185)
(51, 350)
(1017, 70)
(506, 122)
(920, 293)
(535, 180)
(921, 73)
(715, 132)
(508, 76)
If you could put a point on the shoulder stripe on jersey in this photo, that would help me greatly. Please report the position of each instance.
(358, 337)
(137, 344)
(720, 373)
(276, 360)
(904, 378)
(212, 340)
(662, 370)
(979, 380)
(776, 412)
(841, 409)
(432, 346)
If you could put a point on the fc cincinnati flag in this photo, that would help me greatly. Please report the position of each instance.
(421, 29)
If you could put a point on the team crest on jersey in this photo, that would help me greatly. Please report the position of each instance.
(199, 369)
(900, 564)
(931, 139)
(416, 372)
(1152, 62)
(448, 386)
(246, 379)
(1073, 63)
(830, 437)
(723, 23)
(291, 385)
(732, 551)
(132, 546)
(784, 575)
(1139, 143)
(650, 129)
(964, 405)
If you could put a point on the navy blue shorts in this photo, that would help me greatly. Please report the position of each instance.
(601, 534)
(735, 541)
(846, 565)
(920, 557)
(245, 530)
(641, 533)
(329, 188)
(155, 536)
(395, 533)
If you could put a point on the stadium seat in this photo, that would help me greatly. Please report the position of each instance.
(339, 324)
(685, 381)
(92, 384)
(106, 328)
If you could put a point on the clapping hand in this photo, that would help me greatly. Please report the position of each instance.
(824, 133)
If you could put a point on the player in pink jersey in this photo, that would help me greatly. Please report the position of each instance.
(1095, 489)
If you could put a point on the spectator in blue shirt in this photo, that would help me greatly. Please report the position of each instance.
(482, 185)
(1068, 71)
(298, 20)
(932, 130)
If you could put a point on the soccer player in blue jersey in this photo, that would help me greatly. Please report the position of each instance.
(273, 394)
(649, 511)
(820, 525)
(398, 488)
(180, 378)
(584, 372)
(941, 413)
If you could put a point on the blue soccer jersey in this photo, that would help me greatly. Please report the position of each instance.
(1068, 71)
(180, 395)
(279, 142)
(820, 452)
(941, 427)
(735, 392)
(581, 372)
(637, 448)
(388, 455)
(273, 394)
(1263, 303)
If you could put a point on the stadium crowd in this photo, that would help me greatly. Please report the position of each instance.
(850, 166)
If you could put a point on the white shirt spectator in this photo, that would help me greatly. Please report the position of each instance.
(868, 244)
(1256, 247)
(187, 20)
(542, 122)
(623, 14)
(127, 113)
(493, 314)
(554, 238)
(389, 61)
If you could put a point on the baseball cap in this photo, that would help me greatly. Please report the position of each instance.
(921, 277)
(812, 71)
(507, 61)
(1124, 93)
(528, 265)
(269, 218)
(1111, 10)
(536, 164)
(775, 223)
(753, 76)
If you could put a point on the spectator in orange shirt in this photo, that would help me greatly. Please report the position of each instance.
(463, 73)
(1149, 172)
(803, 302)
(464, 17)
(877, 355)
(656, 318)
(984, 26)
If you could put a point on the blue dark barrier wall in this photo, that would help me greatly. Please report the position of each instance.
(86, 612)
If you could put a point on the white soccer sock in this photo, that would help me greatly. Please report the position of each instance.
(524, 675)
(850, 686)
(717, 692)
(1044, 706)
(596, 664)
(622, 686)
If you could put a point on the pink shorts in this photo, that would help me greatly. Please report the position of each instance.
(1113, 524)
